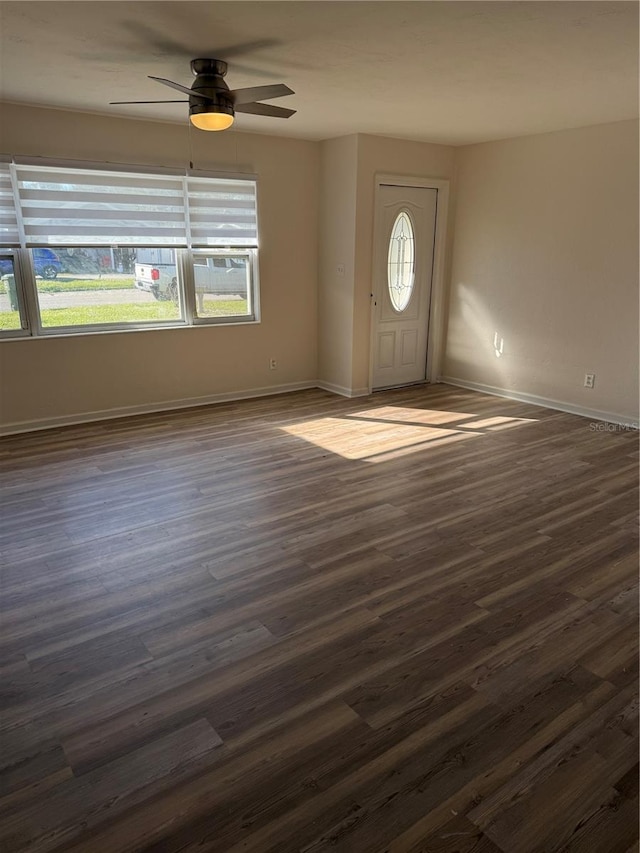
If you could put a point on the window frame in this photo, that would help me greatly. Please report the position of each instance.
(25, 315)
(27, 288)
(253, 290)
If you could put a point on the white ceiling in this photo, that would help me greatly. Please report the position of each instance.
(447, 72)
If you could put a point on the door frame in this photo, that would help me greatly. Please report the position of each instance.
(435, 331)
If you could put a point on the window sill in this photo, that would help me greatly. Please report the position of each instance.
(82, 333)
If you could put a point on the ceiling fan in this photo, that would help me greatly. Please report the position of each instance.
(212, 104)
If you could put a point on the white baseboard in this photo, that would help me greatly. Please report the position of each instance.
(150, 408)
(193, 402)
(545, 402)
(342, 390)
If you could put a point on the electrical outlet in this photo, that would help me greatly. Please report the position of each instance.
(589, 380)
(273, 364)
(340, 269)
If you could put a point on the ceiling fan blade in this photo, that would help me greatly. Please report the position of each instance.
(246, 47)
(111, 103)
(159, 40)
(265, 110)
(165, 44)
(252, 71)
(179, 88)
(259, 93)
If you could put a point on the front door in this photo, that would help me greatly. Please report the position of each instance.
(403, 266)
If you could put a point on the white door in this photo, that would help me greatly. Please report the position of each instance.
(403, 266)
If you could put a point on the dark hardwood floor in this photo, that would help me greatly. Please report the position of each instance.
(399, 624)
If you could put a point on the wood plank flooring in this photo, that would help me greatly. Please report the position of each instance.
(399, 624)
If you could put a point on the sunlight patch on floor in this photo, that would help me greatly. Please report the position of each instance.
(498, 423)
(433, 417)
(353, 438)
(387, 432)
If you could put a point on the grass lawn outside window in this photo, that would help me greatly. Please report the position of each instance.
(142, 308)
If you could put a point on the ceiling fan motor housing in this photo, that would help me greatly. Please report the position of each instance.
(215, 67)
(209, 81)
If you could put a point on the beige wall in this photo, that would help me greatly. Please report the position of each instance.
(71, 376)
(546, 257)
(337, 247)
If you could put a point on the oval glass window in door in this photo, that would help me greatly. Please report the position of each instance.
(401, 262)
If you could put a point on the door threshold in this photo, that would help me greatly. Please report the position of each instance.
(403, 385)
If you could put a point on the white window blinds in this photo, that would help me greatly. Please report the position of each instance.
(9, 234)
(222, 212)
(90, 207)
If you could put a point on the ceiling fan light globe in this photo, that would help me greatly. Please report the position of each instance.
(211, 121)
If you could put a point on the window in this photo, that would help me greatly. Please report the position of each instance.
(96, 286)
(222, 284)
(100, 250)
(400, 262)
(11, 317)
